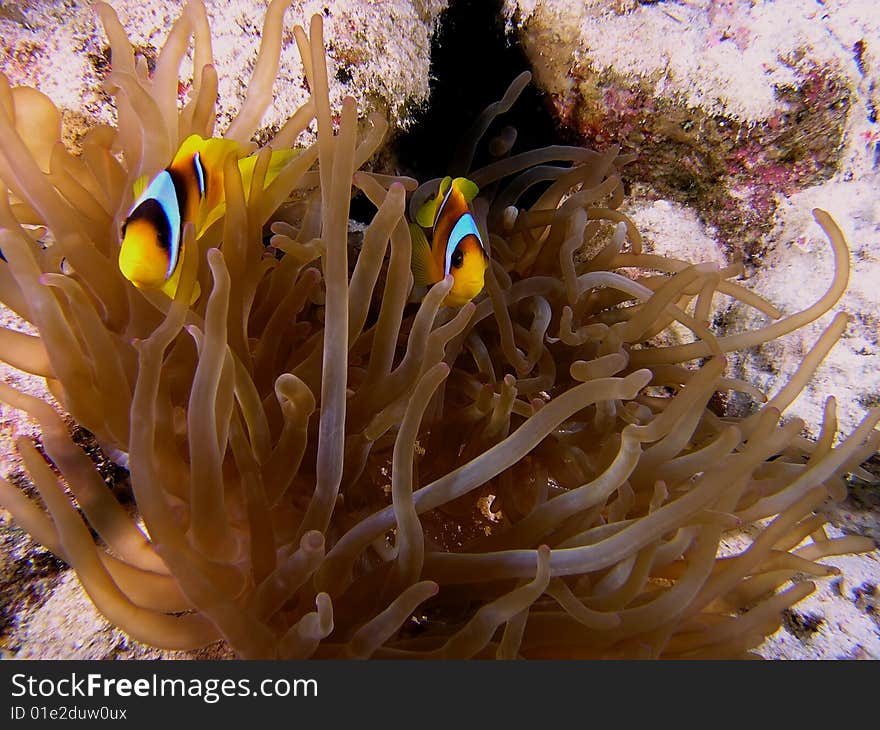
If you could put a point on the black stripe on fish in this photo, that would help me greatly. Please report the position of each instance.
(182, 192)
(151, 210)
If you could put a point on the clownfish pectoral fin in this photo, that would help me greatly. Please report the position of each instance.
(428, 212)
(425, 214)
(140, 185)
(466, 187)
(170, 286)
(421, 256)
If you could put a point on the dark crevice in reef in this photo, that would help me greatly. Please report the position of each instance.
(802, 626)
(113, 475)
(473, 61)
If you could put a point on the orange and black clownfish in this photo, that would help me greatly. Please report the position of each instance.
(456, 246)
(190, 189)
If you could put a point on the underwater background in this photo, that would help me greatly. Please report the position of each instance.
(743, 116)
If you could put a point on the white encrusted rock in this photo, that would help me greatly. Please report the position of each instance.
(378, 52)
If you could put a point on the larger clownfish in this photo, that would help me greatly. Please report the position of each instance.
(190, 189)
(456, 246)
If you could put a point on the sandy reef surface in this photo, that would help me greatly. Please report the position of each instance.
(745, 115)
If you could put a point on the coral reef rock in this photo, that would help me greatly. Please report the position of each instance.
(379, 53)
(749, 114)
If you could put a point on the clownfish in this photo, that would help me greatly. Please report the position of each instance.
(456, 246)
(190, 189)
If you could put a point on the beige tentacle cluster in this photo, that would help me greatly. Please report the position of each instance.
(323, 469)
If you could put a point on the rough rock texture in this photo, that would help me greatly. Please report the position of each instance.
(379, 53)
(749, 114)
(745, 116)
(726, 103)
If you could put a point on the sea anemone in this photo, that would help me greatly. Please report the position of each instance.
(322, 467)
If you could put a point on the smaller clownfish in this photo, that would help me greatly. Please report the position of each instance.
(456, 246)
(190, 189)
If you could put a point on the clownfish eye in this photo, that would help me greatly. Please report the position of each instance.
(457, 258)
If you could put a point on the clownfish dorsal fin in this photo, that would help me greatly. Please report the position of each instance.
(169, 288)
(428, 212)
(466, 187)
(215, 152)
(445, 184)
(421, 256)
(192, 144)
(212, 151)
(140, 185)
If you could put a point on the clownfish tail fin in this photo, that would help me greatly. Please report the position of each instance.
(277, 162)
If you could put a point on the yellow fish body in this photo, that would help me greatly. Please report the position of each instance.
(456, 246)
(190, 189)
